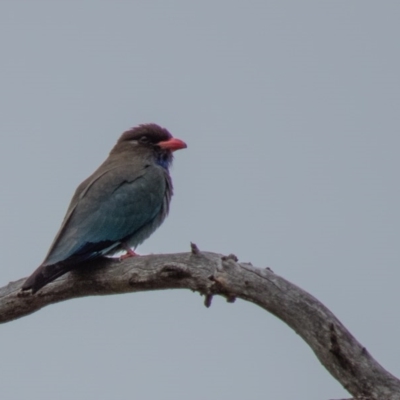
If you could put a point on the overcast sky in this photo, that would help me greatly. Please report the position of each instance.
(291, 115)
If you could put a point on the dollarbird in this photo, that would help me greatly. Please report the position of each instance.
(119, 206)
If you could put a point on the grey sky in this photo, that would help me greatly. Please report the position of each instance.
(291, 115)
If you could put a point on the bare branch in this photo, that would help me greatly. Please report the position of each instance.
(213, 274)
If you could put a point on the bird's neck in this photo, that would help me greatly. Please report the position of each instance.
(161, 158)
(164, 159)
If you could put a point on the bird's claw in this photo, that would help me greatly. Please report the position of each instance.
(129, 253)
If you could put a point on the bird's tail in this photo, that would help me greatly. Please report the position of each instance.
(44, 275)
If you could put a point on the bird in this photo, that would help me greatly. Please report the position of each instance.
(116, 208)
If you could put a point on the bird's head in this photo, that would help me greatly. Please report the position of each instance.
(149, 139)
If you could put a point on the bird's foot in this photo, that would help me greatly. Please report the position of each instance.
(129, 253)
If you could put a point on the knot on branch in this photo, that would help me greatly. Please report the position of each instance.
(193, 247)
(175, 271)
(220, 282)
(231, 257)
(219, 286)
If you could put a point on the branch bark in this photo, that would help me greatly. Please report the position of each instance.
(213, 274)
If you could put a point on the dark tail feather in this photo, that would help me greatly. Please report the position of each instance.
(44, 275)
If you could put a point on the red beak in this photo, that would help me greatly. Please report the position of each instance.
(172, 144)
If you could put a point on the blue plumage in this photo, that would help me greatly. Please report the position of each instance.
(117, 207)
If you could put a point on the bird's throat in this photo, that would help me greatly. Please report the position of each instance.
(164, 160)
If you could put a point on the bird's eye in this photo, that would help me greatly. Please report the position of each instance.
(144, 139)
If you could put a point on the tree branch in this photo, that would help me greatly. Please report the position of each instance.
(213, 274)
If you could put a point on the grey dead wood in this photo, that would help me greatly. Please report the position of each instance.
(214, 274)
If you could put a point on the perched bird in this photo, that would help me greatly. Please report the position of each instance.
(119, 206)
